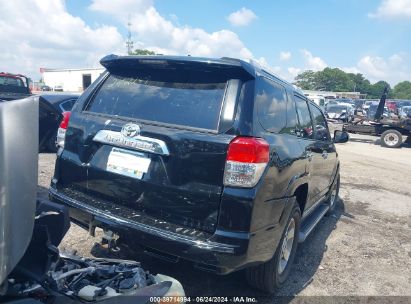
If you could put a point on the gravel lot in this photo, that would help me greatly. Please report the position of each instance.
(363, 250)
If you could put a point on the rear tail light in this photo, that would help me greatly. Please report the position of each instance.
(61, 132)
(247, 158)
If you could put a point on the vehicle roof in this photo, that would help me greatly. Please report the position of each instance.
(341, 104)
(252, 68)
(5, 74)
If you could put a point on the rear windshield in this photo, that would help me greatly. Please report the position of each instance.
(195, 105)
(12, 81)
(336, 109)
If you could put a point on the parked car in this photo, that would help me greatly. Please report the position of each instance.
(45, 88)
(32, 270)
(373, 109)
(405, 112)
(403, 103)
(318, 100)
(341, 111)
(345, 101)
(331, 102)
(392, 106)
(58, 88)
(53, 109)
(13, 86)
(214, 161)
(358, 104)
(368, 103)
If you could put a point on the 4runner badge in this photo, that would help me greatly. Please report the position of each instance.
(130, 130)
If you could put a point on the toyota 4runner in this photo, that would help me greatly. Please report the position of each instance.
(215, 161)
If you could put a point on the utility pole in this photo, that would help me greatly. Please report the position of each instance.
(129, 42)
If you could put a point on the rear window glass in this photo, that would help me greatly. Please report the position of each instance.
(195, 105)
(68, 105)
(13, 81)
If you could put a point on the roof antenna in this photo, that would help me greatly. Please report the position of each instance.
(129, 42)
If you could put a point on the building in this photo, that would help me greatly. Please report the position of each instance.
(71, 80)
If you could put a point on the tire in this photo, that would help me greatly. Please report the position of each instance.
(391, 139)
(270, 276)
(333, 196)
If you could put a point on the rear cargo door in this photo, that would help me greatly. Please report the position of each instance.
(151, 140)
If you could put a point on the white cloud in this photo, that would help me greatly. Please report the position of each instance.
(242, 17)
(293, 71)
(38, 34)
(155, 32)
(284, 56)
(312, 62)
(390, 9)
(120, 8)
(394, 69)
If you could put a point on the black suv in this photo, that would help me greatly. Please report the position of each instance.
(215, 161)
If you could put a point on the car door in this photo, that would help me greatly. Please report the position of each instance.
(325, 147)
(311, 152)
(49, 119)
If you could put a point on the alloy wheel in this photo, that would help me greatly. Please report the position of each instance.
(287, 246)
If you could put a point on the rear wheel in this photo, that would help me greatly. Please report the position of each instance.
(391, 139)
(269, 276)
(333, 198)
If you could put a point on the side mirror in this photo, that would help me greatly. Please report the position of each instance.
(340, 137)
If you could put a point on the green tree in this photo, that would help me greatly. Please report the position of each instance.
(142, 52)
(333, 80)
(377, 89)
(306, 80)
(359, 82)
(402, 90)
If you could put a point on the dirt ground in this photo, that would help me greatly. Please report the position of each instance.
(362, 250)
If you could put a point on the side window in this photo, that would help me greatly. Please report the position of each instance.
(320, 125)
(306, 127)
(292, 120)
(271, 101)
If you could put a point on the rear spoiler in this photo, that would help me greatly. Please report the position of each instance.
(234, 68)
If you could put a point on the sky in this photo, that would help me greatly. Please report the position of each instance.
(372, 37)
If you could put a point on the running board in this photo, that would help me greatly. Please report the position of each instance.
(311, 221)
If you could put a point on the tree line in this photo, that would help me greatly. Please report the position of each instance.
(334, 79)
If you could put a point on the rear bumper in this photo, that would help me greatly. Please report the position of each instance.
(221, 252)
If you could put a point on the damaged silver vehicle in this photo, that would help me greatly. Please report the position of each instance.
(32, 270)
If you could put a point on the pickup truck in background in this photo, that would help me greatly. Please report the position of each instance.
(13, 86)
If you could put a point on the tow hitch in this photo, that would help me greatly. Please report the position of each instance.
(109, 240)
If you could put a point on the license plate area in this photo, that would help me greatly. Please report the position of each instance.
(128, 163)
